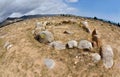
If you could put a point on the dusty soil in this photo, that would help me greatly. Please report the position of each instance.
(26, 57)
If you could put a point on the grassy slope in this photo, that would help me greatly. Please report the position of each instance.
(25, 58)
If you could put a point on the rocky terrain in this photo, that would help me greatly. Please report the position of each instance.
(59, 46)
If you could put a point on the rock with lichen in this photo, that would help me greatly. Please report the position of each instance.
(45, 37)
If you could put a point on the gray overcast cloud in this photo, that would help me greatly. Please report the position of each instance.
(17, 8)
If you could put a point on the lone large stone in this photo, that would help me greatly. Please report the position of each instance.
(44, 37)
(84, 44)
(107, 56)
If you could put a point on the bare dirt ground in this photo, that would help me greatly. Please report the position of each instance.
(26, 57)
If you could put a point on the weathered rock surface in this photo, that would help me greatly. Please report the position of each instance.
(49, 63)
(95, 32)
(96, 57)
(45, 37)
(58, 45)
(85, 44)
(96, 39)
(107, 56)
(72, 44)
(86, 26)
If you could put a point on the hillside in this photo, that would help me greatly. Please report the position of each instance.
(21, 55)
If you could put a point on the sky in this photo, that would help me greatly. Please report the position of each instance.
(104, 9)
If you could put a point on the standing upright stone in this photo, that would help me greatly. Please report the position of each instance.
(96, 39)
(86, 26)
(107, 56)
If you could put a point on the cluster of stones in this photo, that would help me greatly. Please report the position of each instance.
(106, 51)
(44, 36)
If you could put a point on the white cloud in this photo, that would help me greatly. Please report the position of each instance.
(16, 15)
(73, 1)
(25, 7)
(53, 7)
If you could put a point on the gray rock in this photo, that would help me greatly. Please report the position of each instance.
(107, 56)
(7, 45)
(85, 23)
(86, 26)
(45, 37)
(49, 63)
(58, 45)
(96, 57)
(72, 44)
(84, 44)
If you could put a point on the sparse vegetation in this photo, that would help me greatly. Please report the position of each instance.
(26, 57)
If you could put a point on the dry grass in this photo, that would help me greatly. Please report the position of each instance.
(25, 58)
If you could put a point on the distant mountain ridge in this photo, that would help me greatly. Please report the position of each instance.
(11, 20)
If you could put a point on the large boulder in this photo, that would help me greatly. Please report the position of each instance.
(107, 56)
(85, 44)
(44, 37)
(58, 45)
(72, 44)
